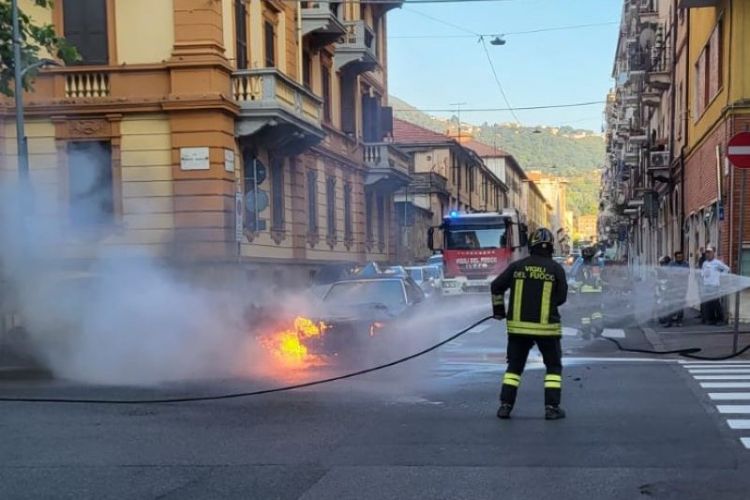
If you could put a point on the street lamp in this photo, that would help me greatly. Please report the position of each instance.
(19, 73)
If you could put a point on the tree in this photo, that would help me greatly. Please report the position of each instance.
(35, 39)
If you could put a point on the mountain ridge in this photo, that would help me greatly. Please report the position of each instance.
(567, 152)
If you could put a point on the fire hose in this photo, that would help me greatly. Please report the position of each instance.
(690, 352)
(251, 393)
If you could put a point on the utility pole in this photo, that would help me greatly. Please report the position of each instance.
(23, 154)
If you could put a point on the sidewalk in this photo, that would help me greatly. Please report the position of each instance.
(713, 340)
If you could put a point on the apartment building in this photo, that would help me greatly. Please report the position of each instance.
(681, 91)
(217, 131)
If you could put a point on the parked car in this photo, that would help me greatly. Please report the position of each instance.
(436, 260)
(356, 311)
(427, 277)
(398, 271)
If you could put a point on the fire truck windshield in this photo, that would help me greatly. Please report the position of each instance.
(475, 239)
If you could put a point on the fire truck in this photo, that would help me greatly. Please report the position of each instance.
(477, 247)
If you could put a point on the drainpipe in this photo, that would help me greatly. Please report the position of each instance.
(300, 69)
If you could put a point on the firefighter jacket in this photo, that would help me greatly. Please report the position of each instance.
(537, 287)
(588, 278)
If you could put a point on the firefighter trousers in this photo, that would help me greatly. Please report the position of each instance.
(518, 351)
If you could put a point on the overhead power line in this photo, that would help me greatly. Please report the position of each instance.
(508, 33)
(517, 108)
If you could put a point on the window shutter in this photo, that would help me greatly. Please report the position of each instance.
(85, 26)
(348, 111)
(270, 43)
(386, 121)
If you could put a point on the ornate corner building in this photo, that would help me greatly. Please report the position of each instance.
(216, 131)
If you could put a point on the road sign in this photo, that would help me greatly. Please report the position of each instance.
(738, 150)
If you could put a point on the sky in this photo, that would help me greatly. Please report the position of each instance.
(534, 69)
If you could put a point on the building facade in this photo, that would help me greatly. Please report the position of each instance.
(216, 132)
(555, 191)
(682, 91)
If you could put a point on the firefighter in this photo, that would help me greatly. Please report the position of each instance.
(537, 287)
(589, 288)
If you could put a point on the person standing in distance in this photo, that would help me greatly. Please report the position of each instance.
(538, 286)
(711, 273)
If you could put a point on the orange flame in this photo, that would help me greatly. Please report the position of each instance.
(289, 345)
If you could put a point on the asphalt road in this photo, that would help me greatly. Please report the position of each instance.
(426, 430)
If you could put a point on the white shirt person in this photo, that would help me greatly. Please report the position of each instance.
(712, 270)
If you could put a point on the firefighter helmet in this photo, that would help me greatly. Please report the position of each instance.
(542, 237)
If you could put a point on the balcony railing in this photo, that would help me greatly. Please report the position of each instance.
(87, 84)
(357, 48)
(269, 88)
(386, 164)
(322, 21)
(268, 98)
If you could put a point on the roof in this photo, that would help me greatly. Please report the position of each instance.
(485, 150)
(408, 133)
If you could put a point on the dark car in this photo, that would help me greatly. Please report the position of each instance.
(358, 310)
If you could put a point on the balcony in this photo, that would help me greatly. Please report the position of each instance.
(356, 51)
(321, 22)
(428, 183)
(276, 111)
(659, 74)
(387, 167)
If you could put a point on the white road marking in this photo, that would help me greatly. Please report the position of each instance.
(614, 333)
(713, 367)
(733, 408)
(712, 363)
(722, 377)
(745, 442)
(725, 385)
(729, 396)
(741, 423)
(720, 371)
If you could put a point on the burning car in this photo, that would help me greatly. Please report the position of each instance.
(358, 311)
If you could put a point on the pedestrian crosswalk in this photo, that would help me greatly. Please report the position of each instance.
(724, 379)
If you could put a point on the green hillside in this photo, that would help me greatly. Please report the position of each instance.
(565, 151)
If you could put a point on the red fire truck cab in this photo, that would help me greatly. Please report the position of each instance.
(478, 247)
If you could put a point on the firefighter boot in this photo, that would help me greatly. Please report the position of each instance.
(504, 411)
(553, 412)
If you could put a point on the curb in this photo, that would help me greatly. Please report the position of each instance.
(653, 338)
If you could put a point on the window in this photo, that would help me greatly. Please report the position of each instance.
(240, 31)
(325, 77)
(85, 26)
(256, 199)
(331, 207)
(381, 219)
(277, 195)
(312, 201)
(348, 227)
(714, 49)
(745, 263)
(90, 186)
(708, 72)
(368, 217)
(348, 105)
(307, 70)
(269, 32)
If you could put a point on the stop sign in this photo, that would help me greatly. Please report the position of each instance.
(738, 150)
